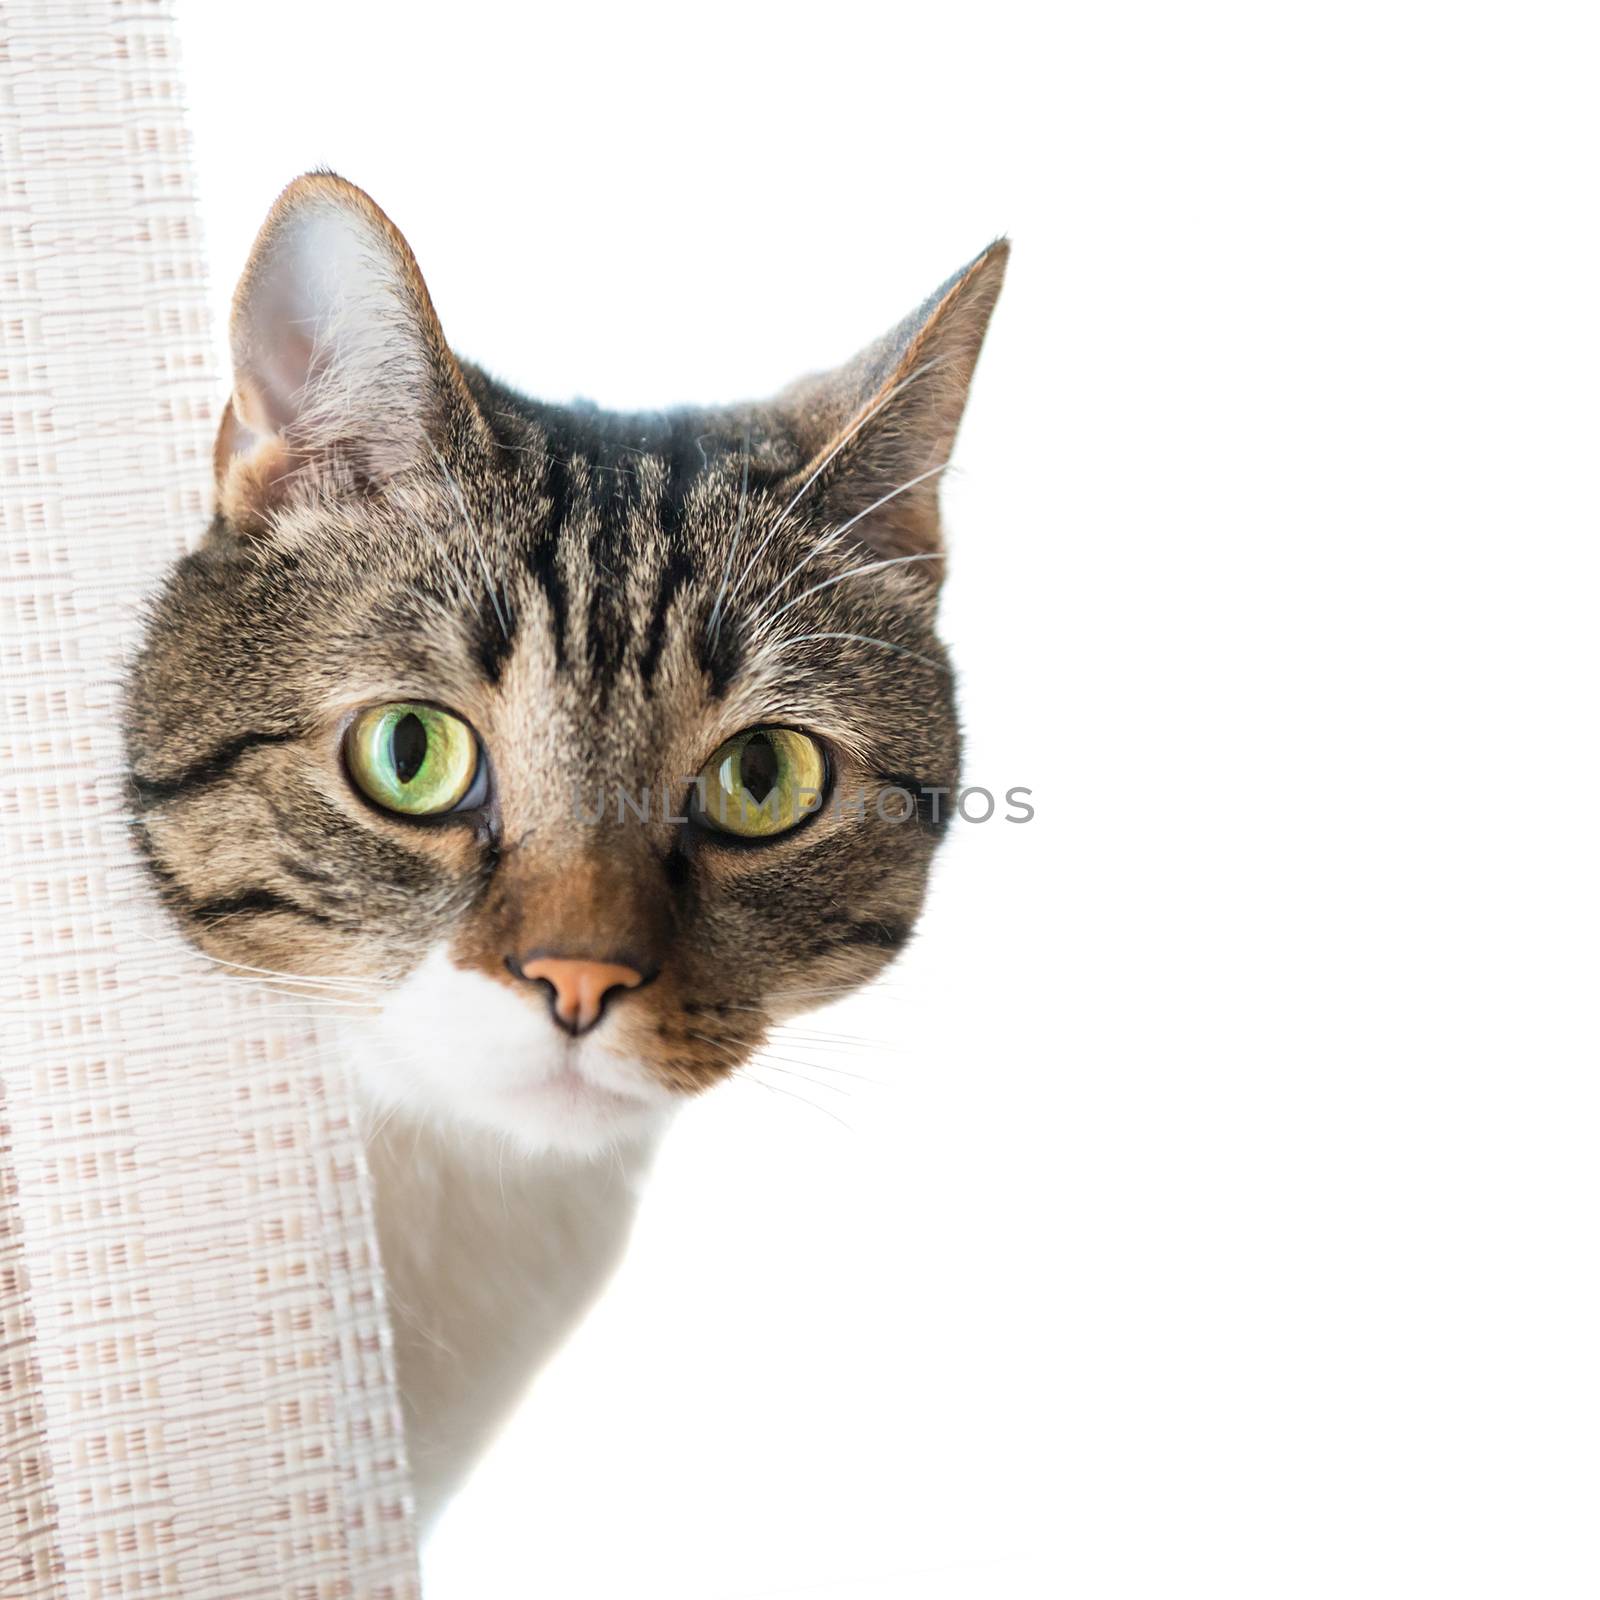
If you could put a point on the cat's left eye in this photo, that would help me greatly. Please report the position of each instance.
(413, 759)
(761, 783)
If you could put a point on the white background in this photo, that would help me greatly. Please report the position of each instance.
(1221, 1216)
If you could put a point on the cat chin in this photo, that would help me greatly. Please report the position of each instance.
(454, 1048)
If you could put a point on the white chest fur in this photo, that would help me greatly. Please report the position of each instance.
(491, 1256)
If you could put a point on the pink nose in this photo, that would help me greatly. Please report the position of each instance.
(579, 989)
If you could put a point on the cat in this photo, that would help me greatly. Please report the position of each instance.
(379, 718)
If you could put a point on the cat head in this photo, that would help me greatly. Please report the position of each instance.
(581, 747)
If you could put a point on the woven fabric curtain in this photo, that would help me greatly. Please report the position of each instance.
(196, 1386)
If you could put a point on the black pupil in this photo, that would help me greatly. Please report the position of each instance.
(758, 768)
(408, 745)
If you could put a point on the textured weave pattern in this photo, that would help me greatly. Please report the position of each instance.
(196, 1393)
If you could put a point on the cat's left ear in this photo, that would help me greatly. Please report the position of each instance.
(879, 430)
(342, 376)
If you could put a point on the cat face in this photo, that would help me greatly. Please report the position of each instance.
(586, 746)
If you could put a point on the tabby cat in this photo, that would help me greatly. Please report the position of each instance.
(547, 746)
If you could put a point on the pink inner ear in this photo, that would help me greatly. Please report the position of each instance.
(269, 397)
(328, 341)
(305, 289)
(283, 374)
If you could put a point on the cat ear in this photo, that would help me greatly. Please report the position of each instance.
(880, 429)
(341, 373)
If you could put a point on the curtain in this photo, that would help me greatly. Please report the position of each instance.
(196, 1381)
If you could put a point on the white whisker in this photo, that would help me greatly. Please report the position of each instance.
(264, 972)
(830, 1041)
(880, 986)
(383, 1122)
(823, 465)
(714, 621)
(829, 540)
(855, 572)
(477, 543)
(846, 1072)
(863, 638)
(771, 1063)
(760, 1055)
(789, 1094)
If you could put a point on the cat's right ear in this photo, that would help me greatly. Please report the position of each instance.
(342, 377)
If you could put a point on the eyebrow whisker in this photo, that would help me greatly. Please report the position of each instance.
(823, 465)
(477, 543)
(856, 572)
(828, 541)
(714, 621)
(863, 638)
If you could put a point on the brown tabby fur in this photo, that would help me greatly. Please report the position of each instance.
(606, 599)
(573, 583)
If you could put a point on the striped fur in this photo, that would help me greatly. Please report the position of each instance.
(606, 599)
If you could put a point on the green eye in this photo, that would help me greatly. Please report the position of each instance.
(414, 759)
(762, 783)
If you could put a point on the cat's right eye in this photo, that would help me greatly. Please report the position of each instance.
(413, 759)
